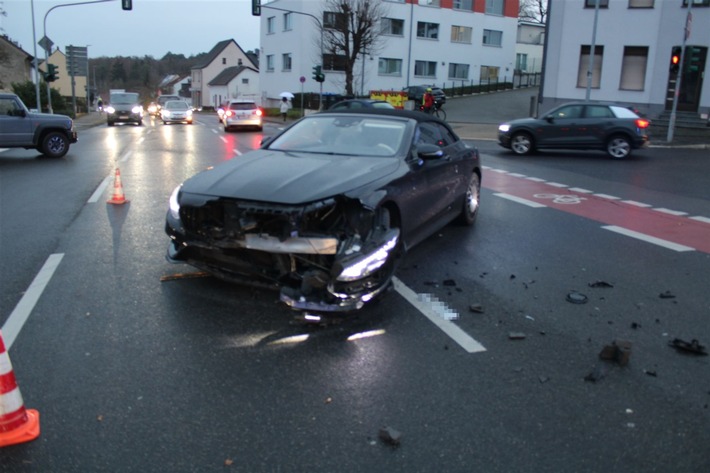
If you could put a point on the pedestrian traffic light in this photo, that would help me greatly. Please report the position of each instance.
(51, 74)
(675, 59)
(127, 4)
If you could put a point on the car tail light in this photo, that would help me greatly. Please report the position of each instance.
(229, 113)
(259, 112)
(641, 123)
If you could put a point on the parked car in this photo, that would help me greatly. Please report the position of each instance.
(124, 107)
(49, 134)
(416, 93)
(242, 113)
(324, 210)
(176, 111)
(578, 125)
(360, 103)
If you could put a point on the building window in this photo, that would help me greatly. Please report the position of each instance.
(584, 66)
(389, 67)
(640, 3)
(633, 68)
(461, 34)
(270, 62)
(425, 69)
(392, 26)
(224, 61)
(495, 7)
(458, 71)
(287, 21)
(334, 20)
(698, 3)
(463, 5)
(239, 62)
(593, 3)
(427, 30)
(492, 38)
(489, 73)
(286, 59)
(245, 81)
(521, 62)
(430, 3)
(271, 25)
(334, 62)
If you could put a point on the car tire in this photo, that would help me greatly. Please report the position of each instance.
(139, 123)
(226, 129)
(521, 143)
(54, 145)
(164, 122)
(618, 147)
(471, 202)
(109, 123)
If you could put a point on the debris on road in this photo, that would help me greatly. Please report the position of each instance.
(390, 436)
(597, 373)
(516, 335)
(478, 308)
(449, 282)
(600, 284)
(619, 352)
(577, 298)
(651, 373)
(693, 346)
(667, 295)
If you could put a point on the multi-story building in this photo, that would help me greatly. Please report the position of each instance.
(438, 42)
(634, 42)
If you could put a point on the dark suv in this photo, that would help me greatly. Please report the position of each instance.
(19, 128)
(124, 107)
(416, 93)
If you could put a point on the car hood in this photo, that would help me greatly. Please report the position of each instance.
(45, 117)
(289, 178)
(523, 122)
(123, 107)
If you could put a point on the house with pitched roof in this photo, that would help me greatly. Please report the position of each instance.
(236, 82)
(224, 55)
(15, 64)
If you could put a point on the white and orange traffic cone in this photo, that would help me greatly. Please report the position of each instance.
(118, 196)
(17, 424)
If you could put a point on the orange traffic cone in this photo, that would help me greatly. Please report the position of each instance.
(118, 197)
(17, 424)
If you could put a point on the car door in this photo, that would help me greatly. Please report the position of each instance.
(597, 119)
(561, 127)
(15, 126)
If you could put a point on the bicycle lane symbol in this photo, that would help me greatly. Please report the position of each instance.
(561, 198)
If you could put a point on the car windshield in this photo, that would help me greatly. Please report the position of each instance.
(165, 98)
(124, 99)
(175, 105)
(348, 135)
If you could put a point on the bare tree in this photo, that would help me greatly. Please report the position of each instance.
(351, 28)
(533, 10)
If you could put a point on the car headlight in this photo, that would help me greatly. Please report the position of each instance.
(173, 203)
(370, 262)
(110, 110)
(504, 128)
(189, 113)
(137, 109)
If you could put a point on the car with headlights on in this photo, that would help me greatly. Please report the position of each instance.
(242, 113)
(578, 125)
(124, 107)
(324, 211)
(176, 111)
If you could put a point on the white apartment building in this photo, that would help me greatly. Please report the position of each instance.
(634, 42)
(439, 42)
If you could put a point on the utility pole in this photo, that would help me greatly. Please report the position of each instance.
(592, 52)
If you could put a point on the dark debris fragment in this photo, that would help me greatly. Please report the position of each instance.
(390, 436)
(478, 308)
(618, 352)
(449, 282)
(667, 295)
(600, 284)
(693, 346)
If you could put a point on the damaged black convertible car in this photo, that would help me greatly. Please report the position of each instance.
(324, 210)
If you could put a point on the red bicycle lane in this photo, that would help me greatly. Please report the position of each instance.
(677, 232)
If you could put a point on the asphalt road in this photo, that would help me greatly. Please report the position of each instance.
(137, 365)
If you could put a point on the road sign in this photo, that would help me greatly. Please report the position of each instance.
(302, 79)
(46, 44)
(77, 60)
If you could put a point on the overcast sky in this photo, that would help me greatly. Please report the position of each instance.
(152, 28)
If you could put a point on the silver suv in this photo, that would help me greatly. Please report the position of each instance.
(242, 113)
(50, 134)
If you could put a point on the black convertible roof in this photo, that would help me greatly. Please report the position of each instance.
(413, 114)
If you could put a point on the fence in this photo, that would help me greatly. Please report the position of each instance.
(519, 80)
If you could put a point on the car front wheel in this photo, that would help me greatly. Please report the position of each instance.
(618, 147)
(54, 145)
(521, 143)
(471, 201)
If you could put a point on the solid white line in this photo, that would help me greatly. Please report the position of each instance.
(237, 152)
(515, 174)
(649, 239)
(446, 326)
(223, 138)
(556, 184)
(99, 191)
(501, 171)
(125, 157)
(580, 190)
(520, 200)
(670, 212)
(535, 179)
(22, 311)
(701, 219)
(607, 196)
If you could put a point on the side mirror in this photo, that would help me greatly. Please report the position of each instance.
(549, 118)
(428, 151)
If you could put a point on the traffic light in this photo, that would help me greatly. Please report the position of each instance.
(317, 73)
(675, 59)
(256, 7)
(127, 4)
(51, 74)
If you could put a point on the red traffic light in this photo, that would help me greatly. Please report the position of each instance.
(675, 59)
